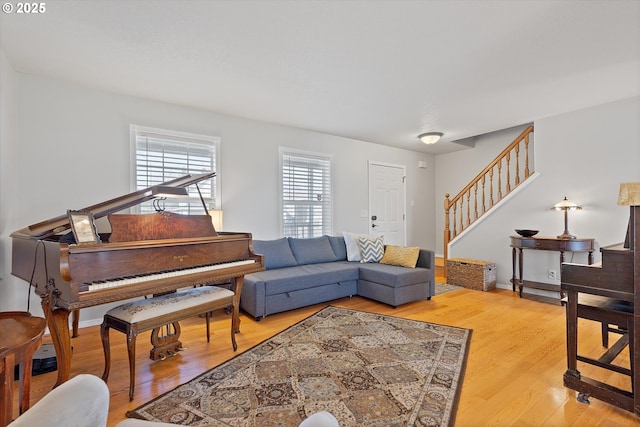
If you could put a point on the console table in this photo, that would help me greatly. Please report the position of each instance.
(519, 243)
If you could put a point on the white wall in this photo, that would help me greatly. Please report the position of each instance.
(8, 138)
(72, 151)
(583, 155)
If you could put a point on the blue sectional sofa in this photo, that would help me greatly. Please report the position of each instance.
(302, 272)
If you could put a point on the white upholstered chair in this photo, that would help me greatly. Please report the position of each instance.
(83, 401)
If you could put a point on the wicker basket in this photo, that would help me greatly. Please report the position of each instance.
(471, 273)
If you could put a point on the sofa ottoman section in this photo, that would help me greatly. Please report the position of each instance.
(394, 285)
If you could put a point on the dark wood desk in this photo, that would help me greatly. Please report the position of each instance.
(21, 337)
(519, 243)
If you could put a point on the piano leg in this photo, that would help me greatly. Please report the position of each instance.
(237, 290)
(571, 378)
(572, 333)
(58, 322)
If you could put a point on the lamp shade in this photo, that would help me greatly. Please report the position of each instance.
(566, 205)
(629, 194)
(430, 137)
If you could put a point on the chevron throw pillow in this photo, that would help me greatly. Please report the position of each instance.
(371, 249)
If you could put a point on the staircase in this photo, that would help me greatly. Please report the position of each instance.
(496, 181)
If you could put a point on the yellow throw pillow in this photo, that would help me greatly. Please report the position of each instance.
(400, 255)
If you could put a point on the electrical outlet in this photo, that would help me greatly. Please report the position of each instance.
(553, 274)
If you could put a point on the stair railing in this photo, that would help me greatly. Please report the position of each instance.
(495, 181)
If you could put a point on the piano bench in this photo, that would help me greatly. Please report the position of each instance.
(146, 314)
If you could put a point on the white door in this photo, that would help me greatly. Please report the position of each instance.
(387, 202)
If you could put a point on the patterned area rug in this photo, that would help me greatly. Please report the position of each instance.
(366, 369)
(443, 288)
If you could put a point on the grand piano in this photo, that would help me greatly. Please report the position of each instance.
(609, 293)
(143, 255)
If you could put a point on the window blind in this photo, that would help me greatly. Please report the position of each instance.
(306, 194)
(164, 155)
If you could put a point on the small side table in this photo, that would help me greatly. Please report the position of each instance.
(519, 243)
(20, 337)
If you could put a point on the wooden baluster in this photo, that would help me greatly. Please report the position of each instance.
(468, 207)
(517, 164)
(475, 201)
(508, 158)
(461, 213)
(484, 206)
(455, 213)
(526, 150)
(500, 179)
(490, 188)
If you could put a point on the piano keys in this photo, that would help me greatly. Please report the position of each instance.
(132, 280)
(144, 255)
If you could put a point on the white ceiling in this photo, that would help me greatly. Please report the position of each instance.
(378, 71)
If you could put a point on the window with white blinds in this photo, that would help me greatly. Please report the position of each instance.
(161, 155)
(306, 194)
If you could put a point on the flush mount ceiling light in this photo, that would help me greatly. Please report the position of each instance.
(430, 137)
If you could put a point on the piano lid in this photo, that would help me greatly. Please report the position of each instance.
(50, 227)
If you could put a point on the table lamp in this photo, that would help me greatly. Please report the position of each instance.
(566, 205)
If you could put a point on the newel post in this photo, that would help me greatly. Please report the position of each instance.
(447, 231)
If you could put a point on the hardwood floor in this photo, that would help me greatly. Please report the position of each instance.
(513, 376)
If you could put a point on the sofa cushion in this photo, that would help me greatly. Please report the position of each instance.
(392, 275)
(312, 250)
(400, 255)
(277, 253)
(351, 242)
(303, 276)
(371, 248)
(338, 246)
